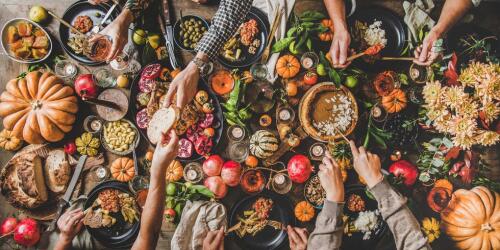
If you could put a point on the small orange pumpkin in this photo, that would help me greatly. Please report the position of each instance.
(444, 183)
(395, 101)
(174, 171)
(175, 72)
(328, 23)
(122, 169)
(304, 211)
(8, 141)
(149, 155)
(251, 161)
(325, 36)
(287, 66)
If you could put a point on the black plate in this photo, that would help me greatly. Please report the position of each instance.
(395, 30)
(268, 238)
(357, 238)
(120, 235)
(263, 24)
(202, 85)
(83, 7)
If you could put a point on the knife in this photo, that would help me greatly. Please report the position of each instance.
(64, 202)
(98, 27)
(168, 33)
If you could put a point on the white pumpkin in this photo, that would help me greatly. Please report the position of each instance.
(263, 144)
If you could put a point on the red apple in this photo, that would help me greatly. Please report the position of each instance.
(217, 186)
(8, 225)
(406, 170)
(231, 172)
(299, 168)
(27, 232)
(212, 166)
(85, 86)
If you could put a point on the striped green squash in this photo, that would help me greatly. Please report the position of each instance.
(263, 144)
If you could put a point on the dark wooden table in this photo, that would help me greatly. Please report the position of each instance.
(485, 15)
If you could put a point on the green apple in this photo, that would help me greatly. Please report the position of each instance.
(139, 37)
(351, 81)
(38, 14)
(321, 70)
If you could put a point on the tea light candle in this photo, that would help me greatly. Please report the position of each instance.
(279, 179)
(96, 125)
(307, 62)
(376, 111)
(191, 174)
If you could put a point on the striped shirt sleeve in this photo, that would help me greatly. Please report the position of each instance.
(137, 7)
(227, 19)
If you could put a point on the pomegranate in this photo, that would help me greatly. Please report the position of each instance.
(212, 166)
(8, 225)
(70, 148)
(169, 213)
(231, 172)
(405, 170)
(216, 185)
(85, 86)
(299, 168)
(27, 232)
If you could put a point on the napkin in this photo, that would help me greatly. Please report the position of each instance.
(269, 6)
(417, 16)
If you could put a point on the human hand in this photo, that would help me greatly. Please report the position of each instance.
(166, 150)
(184, 86)
(339, 49)
(426, 53)
(367, 165)
(330, 177)
(297, 237)
(214, 240)
(118, 32)
(70, 224)
(200, 1)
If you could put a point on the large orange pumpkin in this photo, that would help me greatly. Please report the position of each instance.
(472, 219)
(287, 66)
(38, 108)
(395, 101)
(122, 169)
(304, 211)
(174, 171)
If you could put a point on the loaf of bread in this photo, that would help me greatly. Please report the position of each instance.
(22, 181)
(57, 171)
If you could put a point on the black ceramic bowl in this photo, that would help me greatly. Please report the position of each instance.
(177, 30)
(121, 234)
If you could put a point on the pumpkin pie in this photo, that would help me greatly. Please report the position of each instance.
(325, 110)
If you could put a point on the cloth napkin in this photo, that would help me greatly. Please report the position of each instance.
(269, 6)
(417, 16)
(197, 219)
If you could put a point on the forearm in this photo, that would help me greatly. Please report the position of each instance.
(452, 11)
(152, 213)
(403, 225)
(329, 228)
(336, 11)
(63, 243)
(225, 22)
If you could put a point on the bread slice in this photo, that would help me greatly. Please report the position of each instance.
(30, 181)
(57, 171)
(161, 122)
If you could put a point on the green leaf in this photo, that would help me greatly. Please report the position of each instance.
(301, 40)
(291, 32)
(447, 143)
(308, 25)
(282, 44)
(379, 140)
(369, 194)
(309, 44)
(403, 78)
(424, 177)
(334, 76)
(437, 162)
(311, 15)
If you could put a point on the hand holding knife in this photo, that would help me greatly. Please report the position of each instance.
(64, 202)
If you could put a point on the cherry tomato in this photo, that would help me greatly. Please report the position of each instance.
(310, 78)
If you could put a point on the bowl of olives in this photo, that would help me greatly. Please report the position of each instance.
(188, 31)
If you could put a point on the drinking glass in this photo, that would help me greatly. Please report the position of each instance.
(65, 69)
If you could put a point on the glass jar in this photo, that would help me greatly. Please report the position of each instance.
(104, 78)
(193, 172)
(65, 69)
(317, 151)
(236, 133)
(281, 183)
(309, 60)
(238, 151)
